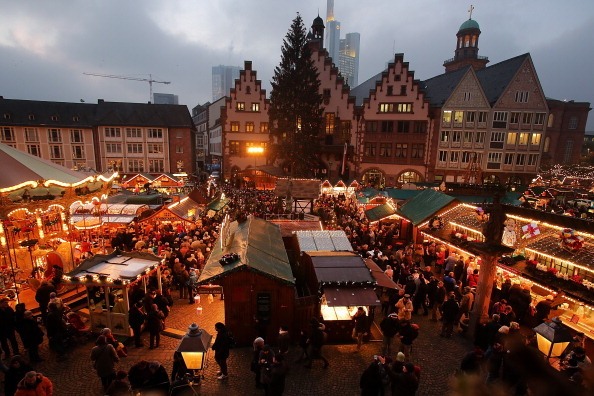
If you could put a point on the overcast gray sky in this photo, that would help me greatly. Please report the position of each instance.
(46, 45)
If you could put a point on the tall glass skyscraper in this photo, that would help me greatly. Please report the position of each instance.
(223, 79)
(348, 58)
(344, 52)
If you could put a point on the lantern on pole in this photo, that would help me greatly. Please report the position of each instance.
(552, 338)
(194, 348)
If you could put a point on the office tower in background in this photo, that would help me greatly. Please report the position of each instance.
(165, 98)
(223, 79)
(348, 59)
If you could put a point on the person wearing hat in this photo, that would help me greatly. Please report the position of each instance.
(221, 347)
(389, 327)
(14, 373)
(404, 308)
(104, 358)
(34, 383)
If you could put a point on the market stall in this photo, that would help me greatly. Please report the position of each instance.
(108, 280)
(550, 257)
(340, 276)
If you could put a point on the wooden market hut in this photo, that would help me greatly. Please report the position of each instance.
(186, 210)
(342, 280)
(106, 276)
(250, 263)
(420, 209)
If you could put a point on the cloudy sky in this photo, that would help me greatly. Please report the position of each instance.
(47, 45)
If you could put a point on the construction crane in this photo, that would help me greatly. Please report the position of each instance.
(148, 80)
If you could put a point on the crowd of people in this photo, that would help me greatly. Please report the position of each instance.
(432, 280)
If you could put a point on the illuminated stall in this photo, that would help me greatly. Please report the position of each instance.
(553, 256)
(341, 277)
(108, 279)
(186, 210)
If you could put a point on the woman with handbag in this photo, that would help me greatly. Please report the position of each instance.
(154, 324)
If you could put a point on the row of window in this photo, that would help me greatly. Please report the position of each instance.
(249, 127)
(397, 150)
(241, 148)
(138, 165)
(240, 106)
(54, 135)
(395, 107)
(56, 151)
(500, 118)
(138, 148)
(54, 117)
(396, 126)
(151, 133)
(494, 159)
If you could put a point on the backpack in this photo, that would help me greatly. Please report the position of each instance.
(231, 339)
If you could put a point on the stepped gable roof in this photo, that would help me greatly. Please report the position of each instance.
(26, 167)
(439, 88)
(361, 91)
(143, 114)
(496, 78)
(58, 114)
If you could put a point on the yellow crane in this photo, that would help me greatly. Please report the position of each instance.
(148, 80)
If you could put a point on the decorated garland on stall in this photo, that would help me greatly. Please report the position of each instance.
(570, 241)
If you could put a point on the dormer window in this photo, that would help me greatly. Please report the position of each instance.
(31, 117)
(7, 116)
(54, 118)
(76, 118)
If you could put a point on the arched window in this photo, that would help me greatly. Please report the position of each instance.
(491, 179)
(466, 40)
(550, 121)
(547, 144)
(374, 178)
(410, 177)
(474, 40)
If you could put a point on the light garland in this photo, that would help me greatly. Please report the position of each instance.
(466, 228)
(553, 226)
(448, 244)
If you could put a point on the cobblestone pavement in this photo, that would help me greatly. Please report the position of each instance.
(437, 357)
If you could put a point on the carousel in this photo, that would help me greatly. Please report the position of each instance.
(35, 231)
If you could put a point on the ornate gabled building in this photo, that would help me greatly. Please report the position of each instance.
(338, 138)
(393, 148)
(244, 123)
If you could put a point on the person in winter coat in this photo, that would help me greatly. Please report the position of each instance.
(405, 383)
(154, 325)
(371, 380)
(389, 327)
(136, 318)
(104, 358)
(32, 336)
(14, 373)
(258, 345)
(7, 329)
(35, 384)
(420, 296)
(221, 347)
(450, 310)
(360, 319)
(278, 373)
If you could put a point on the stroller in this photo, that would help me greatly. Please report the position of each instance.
(77, 329)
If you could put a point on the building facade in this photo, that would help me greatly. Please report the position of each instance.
(244, 122)
(165, 98)
(127, 137)
(566, 130)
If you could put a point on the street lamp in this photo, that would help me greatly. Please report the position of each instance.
(194, 348)
(552, 338)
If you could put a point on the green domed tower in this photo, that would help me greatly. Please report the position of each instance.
(467, 47)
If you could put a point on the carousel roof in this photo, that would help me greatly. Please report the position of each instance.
(25, 167)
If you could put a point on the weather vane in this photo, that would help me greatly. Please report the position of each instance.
(470, 11)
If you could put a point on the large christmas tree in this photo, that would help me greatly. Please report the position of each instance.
(296, 106)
